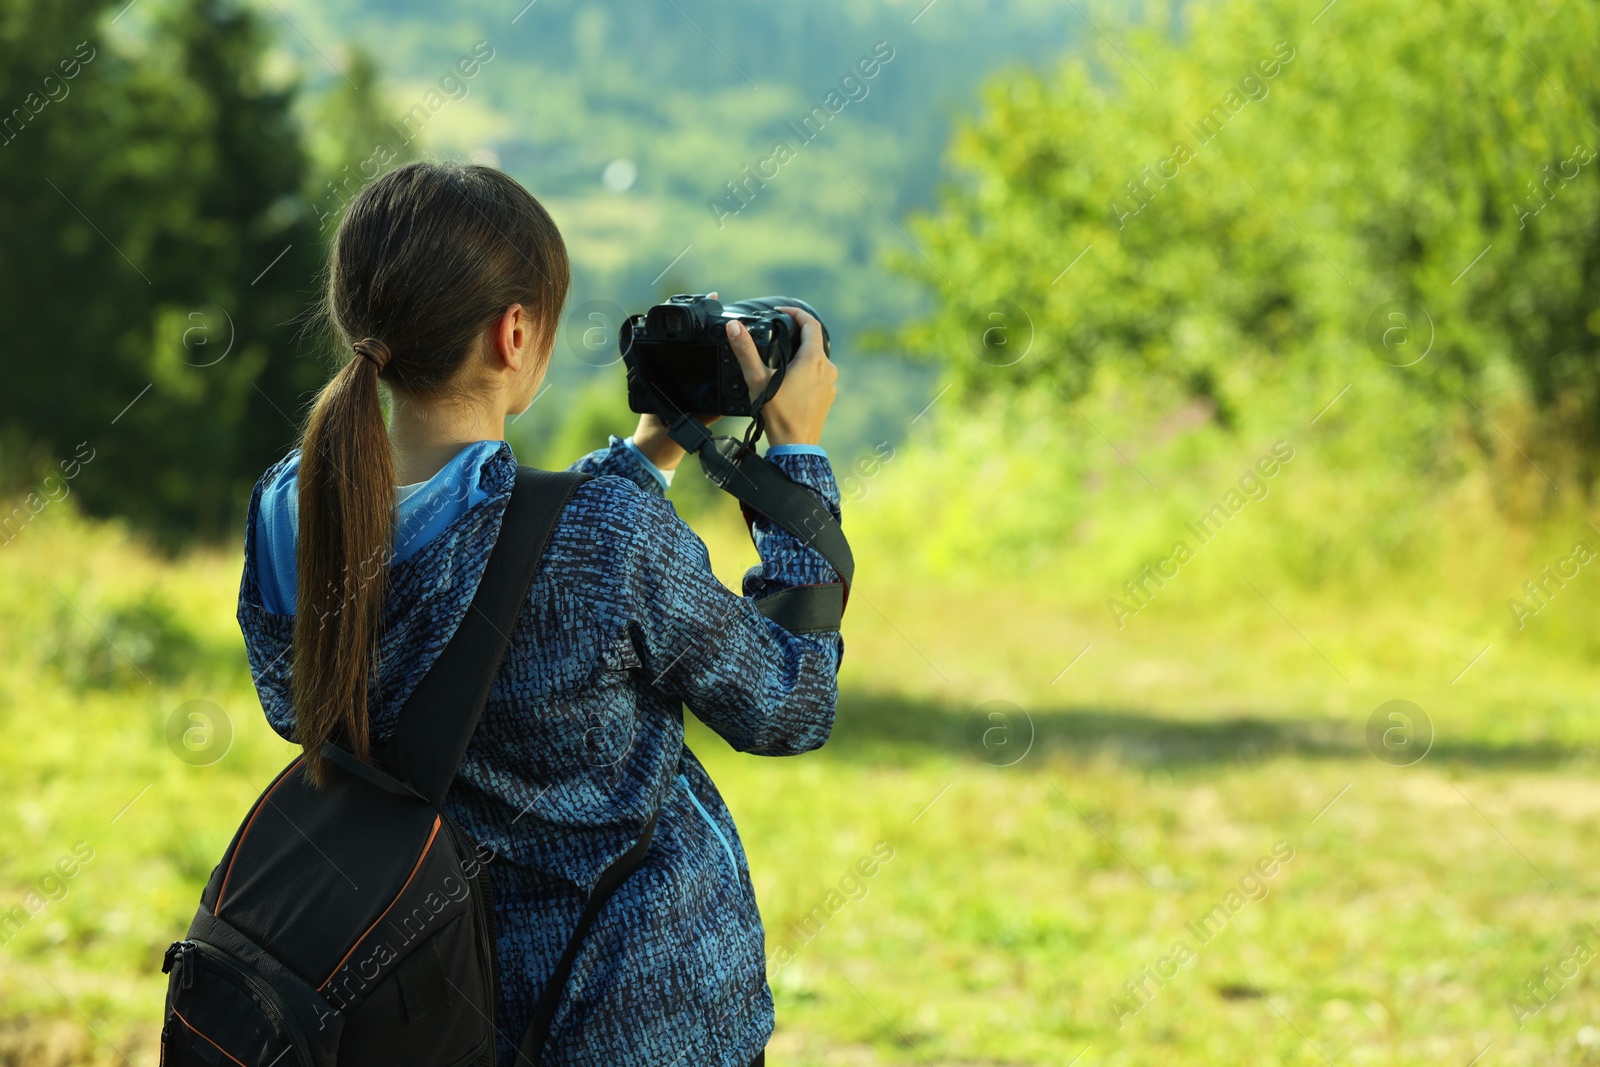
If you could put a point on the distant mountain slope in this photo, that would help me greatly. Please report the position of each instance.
(830, 119)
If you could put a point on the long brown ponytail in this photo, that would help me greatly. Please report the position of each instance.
(425, 259)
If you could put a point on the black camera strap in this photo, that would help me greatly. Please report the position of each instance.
(758, 420)
(762, 488)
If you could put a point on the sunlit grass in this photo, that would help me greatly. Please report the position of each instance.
(1169, 759)
(1015, 901)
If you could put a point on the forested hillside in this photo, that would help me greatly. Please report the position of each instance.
(175, 168)
(632, 119)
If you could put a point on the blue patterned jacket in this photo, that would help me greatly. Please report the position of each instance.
(582, 737)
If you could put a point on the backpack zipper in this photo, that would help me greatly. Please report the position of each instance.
(265, 997)
(178, 953)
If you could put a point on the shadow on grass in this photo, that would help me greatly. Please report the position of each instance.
(891, 728)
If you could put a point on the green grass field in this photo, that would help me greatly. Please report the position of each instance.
(1032, 876)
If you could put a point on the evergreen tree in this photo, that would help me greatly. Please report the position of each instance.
(161, 255)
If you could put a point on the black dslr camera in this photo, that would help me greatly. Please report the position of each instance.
(680, 361)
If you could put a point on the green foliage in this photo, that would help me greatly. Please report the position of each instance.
(197, 154)
(1248, 193)
(575, 87)
(160, 250)
(1169, 749)
(349, 137)
(1008, 905)
(143, 641)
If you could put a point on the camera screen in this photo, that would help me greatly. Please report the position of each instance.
(684, 374)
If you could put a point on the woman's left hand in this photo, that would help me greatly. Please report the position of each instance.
(652, 440)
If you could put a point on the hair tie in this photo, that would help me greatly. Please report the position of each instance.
(374, 351)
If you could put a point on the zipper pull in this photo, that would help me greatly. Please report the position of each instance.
(180, 954)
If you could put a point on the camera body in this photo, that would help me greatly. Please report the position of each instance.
(680, 361)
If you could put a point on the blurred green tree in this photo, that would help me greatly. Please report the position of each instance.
(1270, 194)
(161, 248)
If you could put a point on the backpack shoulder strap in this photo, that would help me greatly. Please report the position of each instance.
(441, 714)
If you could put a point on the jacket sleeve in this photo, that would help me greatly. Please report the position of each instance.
(763, 689)
(621, 458)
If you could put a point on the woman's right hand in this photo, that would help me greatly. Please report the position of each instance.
(796, 413)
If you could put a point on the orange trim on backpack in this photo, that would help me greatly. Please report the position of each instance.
(207, 1040)
(425, 849)
(217, 908)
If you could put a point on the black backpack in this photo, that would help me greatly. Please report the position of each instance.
(351, 925)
